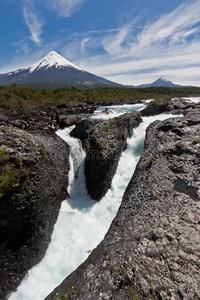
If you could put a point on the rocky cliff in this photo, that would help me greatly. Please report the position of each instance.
(34, 177)
(152, 249)
(107, 140)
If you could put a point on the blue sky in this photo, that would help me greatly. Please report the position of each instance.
(127, 41)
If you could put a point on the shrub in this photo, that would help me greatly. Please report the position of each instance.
(195, 141)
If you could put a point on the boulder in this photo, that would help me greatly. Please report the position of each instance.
(156, 107)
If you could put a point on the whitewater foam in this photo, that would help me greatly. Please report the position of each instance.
(109, 112)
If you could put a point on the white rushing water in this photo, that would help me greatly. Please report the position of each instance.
(107, 112)
(82, 222)
(192, 99)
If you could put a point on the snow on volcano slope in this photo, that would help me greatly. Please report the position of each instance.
(54, 71)
(52, 59)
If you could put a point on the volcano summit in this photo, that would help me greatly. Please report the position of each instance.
(53, 71)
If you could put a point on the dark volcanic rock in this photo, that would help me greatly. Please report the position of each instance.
(180, 106)
(66, 121)
(82, 131)
(156, 107)
(30, 202)
(152, 249)
(107, 141)
(34, 118)
(177, 106)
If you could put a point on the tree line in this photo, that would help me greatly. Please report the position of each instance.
(17, 96)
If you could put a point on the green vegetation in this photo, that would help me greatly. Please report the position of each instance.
(195, 141)
(12, 175)
(106, 127)
(21, 97)
(63, 298)
(109, 124)
(151, 160)
(146, 184)
(132, 292)
(66, 296)
(44, 153)
(89, 251)
(113, 121)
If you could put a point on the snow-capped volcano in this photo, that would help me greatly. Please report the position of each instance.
(53, 71)
(50, 60)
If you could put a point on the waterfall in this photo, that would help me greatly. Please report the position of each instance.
(82, 222)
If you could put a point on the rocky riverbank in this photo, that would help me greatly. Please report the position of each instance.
(34, 178)
(176, 106)
(34, 166)
(34, 118)
(152, 249)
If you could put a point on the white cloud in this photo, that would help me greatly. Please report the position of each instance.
(181, 75)
(131, 54)
(164, 29)
(113, 44)
(22, 46)
(84, 42)
(65, 8)
(168, 46)
(33, 22)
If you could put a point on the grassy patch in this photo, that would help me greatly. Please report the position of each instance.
(12, 176)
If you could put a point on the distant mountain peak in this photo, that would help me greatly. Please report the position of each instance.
(160, 82)
(52, 59)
